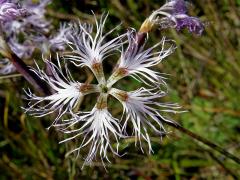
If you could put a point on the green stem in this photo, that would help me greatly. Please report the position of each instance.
(204, 141)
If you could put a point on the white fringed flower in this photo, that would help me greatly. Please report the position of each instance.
(98, 129)
(141, 108)
(65, 96)
(136, 62)
(90, 48)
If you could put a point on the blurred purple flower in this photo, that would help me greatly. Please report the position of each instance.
(25, 19)
(175, 15)
(193, 24)
(23, 50)
(58, 41)
(179, 6)
(6, 67)
(10, 11)
(37, 19)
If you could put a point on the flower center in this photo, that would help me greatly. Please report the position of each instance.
(104, 88)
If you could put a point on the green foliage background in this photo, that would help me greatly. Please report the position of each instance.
(205, 78)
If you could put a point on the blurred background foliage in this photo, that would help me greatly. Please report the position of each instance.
(204, 79)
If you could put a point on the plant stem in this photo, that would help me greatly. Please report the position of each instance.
(29, 75)
(204, 141)
(229, 171)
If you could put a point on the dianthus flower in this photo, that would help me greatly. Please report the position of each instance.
(174, 14)
(98, 129)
